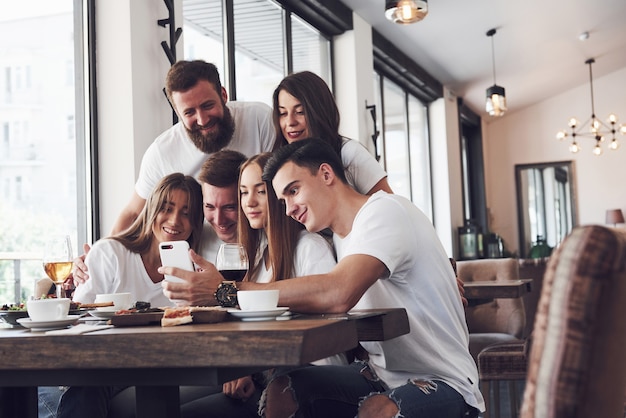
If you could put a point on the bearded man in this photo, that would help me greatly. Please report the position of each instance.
(208, 123)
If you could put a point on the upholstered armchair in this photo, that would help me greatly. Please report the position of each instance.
(577, 363)
(497, 320)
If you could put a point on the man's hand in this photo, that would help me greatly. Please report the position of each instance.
(198, 288)
(79, 275)
(241, 388)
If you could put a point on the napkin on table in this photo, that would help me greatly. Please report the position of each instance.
(78, 329)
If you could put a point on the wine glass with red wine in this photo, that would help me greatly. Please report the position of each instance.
(232, 262)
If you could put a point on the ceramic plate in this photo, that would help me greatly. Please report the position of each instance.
(48, 325)
(257, 315)
(102, 314)
(11, 317)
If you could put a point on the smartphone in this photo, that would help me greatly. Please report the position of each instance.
(175, 254)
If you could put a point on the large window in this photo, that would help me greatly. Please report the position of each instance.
(403, 147)
(268, 43)
(42, 163)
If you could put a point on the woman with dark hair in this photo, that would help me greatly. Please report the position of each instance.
(304, 107)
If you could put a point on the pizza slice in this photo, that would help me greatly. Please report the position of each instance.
(176, 316)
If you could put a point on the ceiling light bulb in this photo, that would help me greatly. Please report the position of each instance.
(561, 135)
(595, 125)
(406, 11)
(612, 118)
(574, 148)
(614, 144)
(597, 150)
(572, 122)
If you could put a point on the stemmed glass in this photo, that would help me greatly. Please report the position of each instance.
(232, 262)
(57, 260)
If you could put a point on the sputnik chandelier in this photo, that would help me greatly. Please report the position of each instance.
(593, 128)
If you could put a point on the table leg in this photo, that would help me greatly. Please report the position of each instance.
(157, 402)
(18, 402)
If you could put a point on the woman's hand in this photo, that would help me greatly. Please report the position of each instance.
(79, 275)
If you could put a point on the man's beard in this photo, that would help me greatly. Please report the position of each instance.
(216, 140)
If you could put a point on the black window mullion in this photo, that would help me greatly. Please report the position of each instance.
(228, 30)
(287, 50)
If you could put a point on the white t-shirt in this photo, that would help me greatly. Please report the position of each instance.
(393, 230)
(313, 255)
(361, 168)
(174, 152)
(209, 243)
(115, 269)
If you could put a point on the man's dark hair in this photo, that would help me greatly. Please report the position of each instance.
(183, 75)
(309, 153)
(221, 169)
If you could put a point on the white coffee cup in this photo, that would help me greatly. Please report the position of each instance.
(48, 309)
(257, 300)
(120, 301)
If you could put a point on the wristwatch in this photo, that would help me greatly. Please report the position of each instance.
(226, 294)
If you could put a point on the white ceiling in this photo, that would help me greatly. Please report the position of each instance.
(538, 53)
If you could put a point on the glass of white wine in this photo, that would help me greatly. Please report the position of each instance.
(57, 261)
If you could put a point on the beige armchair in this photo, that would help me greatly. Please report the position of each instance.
(493, 325)
(497, 320)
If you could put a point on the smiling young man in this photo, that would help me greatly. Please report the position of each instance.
(388, 256)
(208, 123)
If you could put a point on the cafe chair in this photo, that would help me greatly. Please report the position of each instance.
(576, 364)
(496, 320)
(494, 323)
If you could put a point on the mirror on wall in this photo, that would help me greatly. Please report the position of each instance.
(546, 206)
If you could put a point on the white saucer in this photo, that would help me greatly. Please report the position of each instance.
(48, 325)
(258, 315)
(102, 314)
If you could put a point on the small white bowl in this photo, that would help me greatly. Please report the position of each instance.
(257, 300)
(120, 301)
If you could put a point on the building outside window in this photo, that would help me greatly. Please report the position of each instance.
(39, 164)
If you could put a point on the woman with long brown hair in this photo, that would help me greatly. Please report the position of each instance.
(304, 107)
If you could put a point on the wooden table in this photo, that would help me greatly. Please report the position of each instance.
(157, 360)
(479, 292)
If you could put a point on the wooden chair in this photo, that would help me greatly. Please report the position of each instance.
(577, 366)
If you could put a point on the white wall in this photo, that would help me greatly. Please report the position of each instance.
(352, 51)
(528, 136)
(132, 110)
(446, 170)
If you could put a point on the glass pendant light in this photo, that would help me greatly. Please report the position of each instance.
(496, 98)
(406, 11)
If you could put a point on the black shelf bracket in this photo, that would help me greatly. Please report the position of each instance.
(372, 109)
(170, 49)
